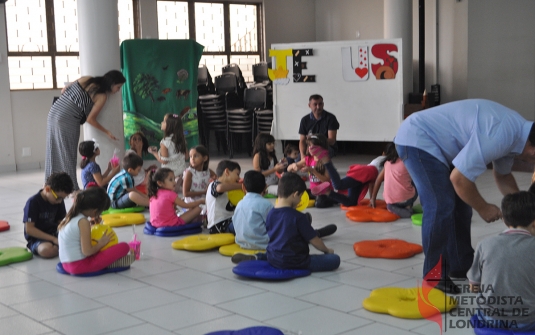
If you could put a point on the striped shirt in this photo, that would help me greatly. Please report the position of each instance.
(119, 184)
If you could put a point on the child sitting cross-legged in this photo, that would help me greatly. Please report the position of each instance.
(502, 271)
(219, 210)
(250, 215)
(290, 232)
(43, 213)
(121, 188)
(163, 200)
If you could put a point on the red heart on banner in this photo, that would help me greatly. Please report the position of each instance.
(361, 72)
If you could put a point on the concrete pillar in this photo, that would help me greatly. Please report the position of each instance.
(398, 24)
(98, 29)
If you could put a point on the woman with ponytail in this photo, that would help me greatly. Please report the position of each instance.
(76, 252)
(80, 101)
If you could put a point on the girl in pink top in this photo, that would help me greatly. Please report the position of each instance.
(399, 191)
(163, 200)
(317, 173)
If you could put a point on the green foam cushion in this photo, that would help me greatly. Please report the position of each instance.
(14, 255)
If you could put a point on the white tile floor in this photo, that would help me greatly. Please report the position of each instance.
(179, 292)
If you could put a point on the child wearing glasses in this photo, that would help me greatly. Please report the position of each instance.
(43, 213)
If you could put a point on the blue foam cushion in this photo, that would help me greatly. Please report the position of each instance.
(187, 229)
(481, 329)
(61, 270)
(263, 270)
(258, 330)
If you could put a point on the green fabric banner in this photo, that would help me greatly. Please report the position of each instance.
(161, 77)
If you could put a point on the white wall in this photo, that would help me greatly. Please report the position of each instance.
(287, 21)
(7, 147)
(501, 53)
(338, 20)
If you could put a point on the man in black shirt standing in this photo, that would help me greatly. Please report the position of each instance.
(319, 121)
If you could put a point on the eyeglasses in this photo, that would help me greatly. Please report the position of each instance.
(56, 196)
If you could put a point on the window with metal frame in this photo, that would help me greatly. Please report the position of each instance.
(230, 32)
(42, 38)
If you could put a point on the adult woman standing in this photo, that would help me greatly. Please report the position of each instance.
(80, 101)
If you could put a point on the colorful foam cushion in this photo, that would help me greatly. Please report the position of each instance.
(388, 248)
(14, 255)
(124, 210)
(263, 270)
(408, 303)
(187, 229)
(232, 249)
(4, 225)
(258, 330)
(417, 219)
(481, 328)
(125, 219)
(61, 270)
(368, 214)
(366, 202)
(203, 242)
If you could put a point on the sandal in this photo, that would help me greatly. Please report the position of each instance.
(318, 152)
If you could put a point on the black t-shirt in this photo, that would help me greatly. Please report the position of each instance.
(44, 215)
(310, 125)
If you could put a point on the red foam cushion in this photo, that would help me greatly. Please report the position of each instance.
(389, 248)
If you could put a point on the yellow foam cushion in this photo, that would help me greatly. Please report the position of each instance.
(232, 249)
(203, 242)
(124, 219)
(404, 302)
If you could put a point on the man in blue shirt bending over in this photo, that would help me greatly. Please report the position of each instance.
(445, 149)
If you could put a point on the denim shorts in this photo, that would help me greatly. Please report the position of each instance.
(123, 202)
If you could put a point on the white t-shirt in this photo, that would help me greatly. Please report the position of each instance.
(175, 161)
(218, 207)
(199, 182)
(70, 248)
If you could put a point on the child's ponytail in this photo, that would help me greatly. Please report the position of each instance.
(175, 128)
(391, 154)
(87, 151)
(152, 185)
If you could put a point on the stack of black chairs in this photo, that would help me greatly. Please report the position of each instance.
(211, 111)
(232, 110)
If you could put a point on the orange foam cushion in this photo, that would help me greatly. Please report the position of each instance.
(366, 202)
(368, 214)
(389, 248)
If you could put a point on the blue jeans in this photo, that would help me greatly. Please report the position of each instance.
(403, 209)
(353, 187)
(446, 219)
(318, 263)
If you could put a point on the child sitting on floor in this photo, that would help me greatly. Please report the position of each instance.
(399, 191)
(91, 173)
(163, 200)
(77, 253)
(503, 268)
(43, 213)
(290, 233)
(291, 152)
(219, 210)
(121, 188)
(318, 175)
(140, 145)
(265, 161)
(250, 215)
(357, 181)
